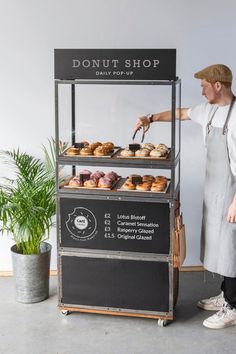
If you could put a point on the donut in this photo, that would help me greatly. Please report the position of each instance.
(100, 151)
(162, 146)
(109, 145)
(143, 187)
(129, 185)
(90, 183)
(96, 175)
(104, 182)
(127, 153)
(72, 151)
(160, 179)
(147, 146)
(93, 146)
(86, 151)
(75, 182)
(148, 178)
(156, 153)
(142, 153)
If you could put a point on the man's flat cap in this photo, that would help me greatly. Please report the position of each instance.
(216, 72)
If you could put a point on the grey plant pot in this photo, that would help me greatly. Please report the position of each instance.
(31, 274)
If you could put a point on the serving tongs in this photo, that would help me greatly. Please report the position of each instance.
(143, 135)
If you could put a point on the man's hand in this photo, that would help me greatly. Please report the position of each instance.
(143, 122)
(231, 216)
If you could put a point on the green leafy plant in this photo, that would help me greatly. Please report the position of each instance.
(27, 202)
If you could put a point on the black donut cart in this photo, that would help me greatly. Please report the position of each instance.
(117, 250)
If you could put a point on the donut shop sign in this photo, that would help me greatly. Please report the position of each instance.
(115, 64)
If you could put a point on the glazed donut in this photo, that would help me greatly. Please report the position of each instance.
(86, 151)
(143, 187)
(148, 178)
(104, 182)
(93, 146)
(158, 186)
(96, 175)
(112, 176)
(127, 153)
(72, 151)
(129, 186)
(75, 182)
(161, 179)
(90, 183)
(109, 145)
(100, 151)
(142, 153)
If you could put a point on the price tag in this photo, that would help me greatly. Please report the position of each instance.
(136, 180)
(84, 177)
(79, 145)
(134, 147)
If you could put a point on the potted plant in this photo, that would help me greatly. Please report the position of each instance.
(27, 206)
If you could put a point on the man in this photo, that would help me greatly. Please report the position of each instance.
(218, 240)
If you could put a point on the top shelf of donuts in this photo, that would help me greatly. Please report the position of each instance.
(108, 150)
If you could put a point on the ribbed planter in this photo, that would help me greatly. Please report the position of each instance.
(31, 274)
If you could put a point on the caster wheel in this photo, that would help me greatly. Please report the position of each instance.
(65, 312)
(162, 323)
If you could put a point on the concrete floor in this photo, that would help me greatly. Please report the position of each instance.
(41, 329)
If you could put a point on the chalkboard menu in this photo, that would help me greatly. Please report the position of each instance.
(115, 225)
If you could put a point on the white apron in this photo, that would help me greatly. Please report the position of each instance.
(218, 239)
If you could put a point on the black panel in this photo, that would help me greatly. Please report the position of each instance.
(128, 284)
(118, 64)
(115, 225)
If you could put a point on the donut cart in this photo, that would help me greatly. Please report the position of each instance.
(118, 253)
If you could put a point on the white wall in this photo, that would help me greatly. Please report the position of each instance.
(201, 31)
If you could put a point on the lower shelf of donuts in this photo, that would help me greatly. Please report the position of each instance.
(120, 186)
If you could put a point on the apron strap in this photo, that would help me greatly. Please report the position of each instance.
(210, 121)
(225, 127)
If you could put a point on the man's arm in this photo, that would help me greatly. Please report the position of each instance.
(161, 117)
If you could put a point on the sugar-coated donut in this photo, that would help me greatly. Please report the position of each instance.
(127, 153)
(142, 153)
(156, 153)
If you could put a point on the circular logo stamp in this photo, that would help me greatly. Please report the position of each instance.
(82, 224)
